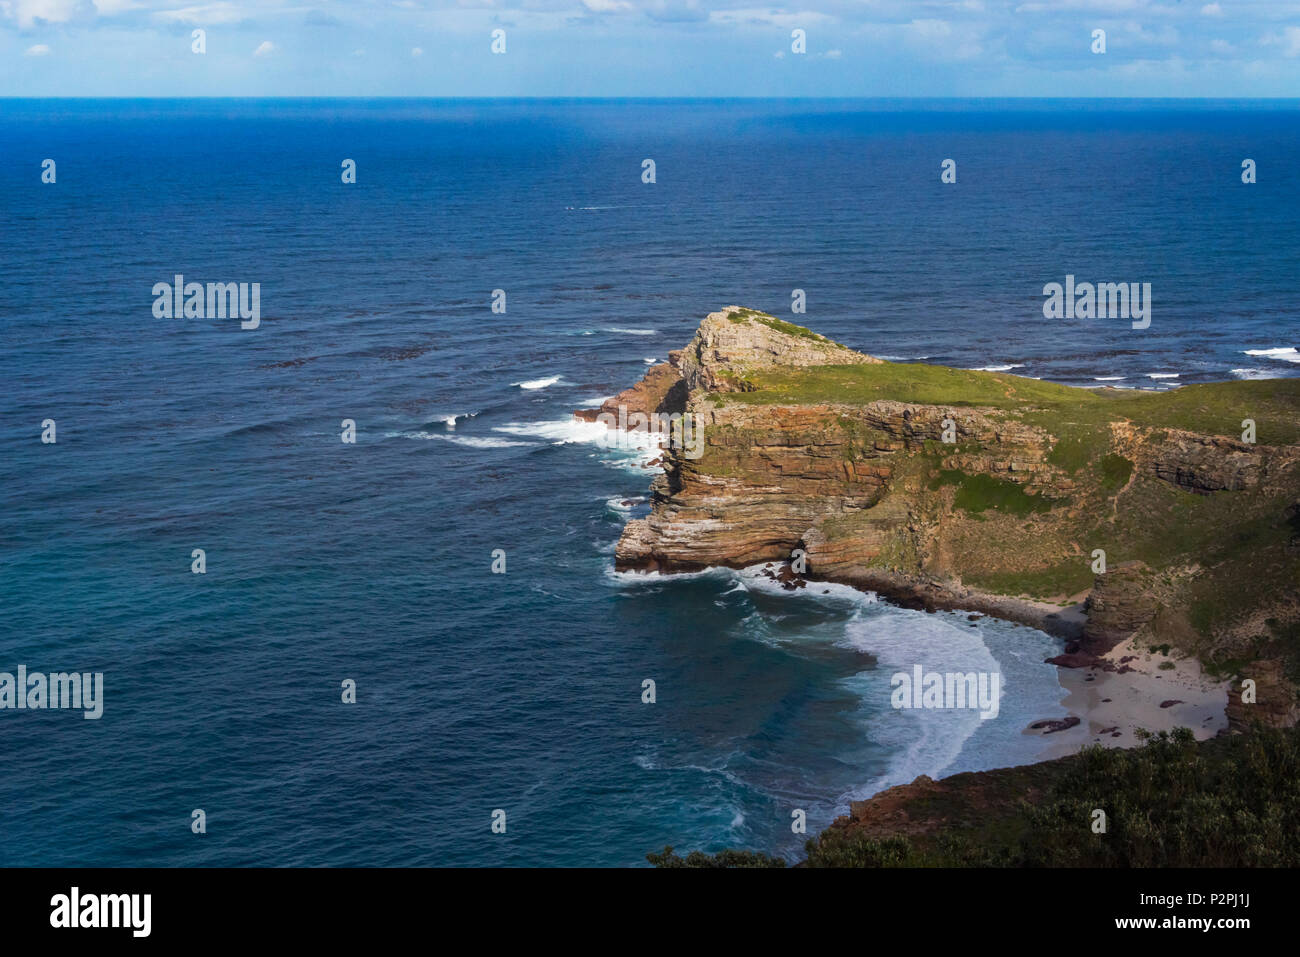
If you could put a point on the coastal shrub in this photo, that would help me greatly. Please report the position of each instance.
(1115, 472)
(978, 493)
(1172, 802)
(1068, 578)
(1071, 453)
(723, 859)
(840, 848)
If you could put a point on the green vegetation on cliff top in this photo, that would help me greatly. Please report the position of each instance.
(779, 325)
(1212, 408)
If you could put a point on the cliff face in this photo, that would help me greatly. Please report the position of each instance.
(970, 489)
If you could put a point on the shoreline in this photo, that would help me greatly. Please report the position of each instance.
(1111, 690)
(1114, 704)
(1111, 695)
(930, 595)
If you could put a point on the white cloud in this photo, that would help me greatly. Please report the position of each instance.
(832, 54)
(265, 48)
(1086, 6)
(1288, 40)
(1212, 10)
(28, 12)
(39, 49)
(108, 8)
(206, 14)
(606, 6)
(935, 38)
(416, 52)
(756, 17)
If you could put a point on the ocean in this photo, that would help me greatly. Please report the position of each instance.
(372, 562)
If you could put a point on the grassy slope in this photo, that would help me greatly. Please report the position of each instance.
(1215, 408)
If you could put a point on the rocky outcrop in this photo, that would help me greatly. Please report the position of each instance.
(997, 505)
(662, 390)
(1270, 699)
(1202, 463)
(734, 343)
(929, 807)
(1119, 604)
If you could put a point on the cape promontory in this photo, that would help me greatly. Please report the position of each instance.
(1096, 514)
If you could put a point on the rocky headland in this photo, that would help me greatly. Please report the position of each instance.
(1107, 517)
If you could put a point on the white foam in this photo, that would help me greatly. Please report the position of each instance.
(649, 362)
(1162, 375)
(639, 577)
(1254, 374)
(470, 441)
(918, 741)
(924, 741)
(537, 383)
(632, 332)
(619, 206)
(1108, 378)
(451, 420)
(753, 578)
(1004, 368)
(1285, 353)
(634, 450)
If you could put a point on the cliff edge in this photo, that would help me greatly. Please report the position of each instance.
(1098, 514)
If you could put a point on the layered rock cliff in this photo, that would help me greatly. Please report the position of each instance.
(1026, 499)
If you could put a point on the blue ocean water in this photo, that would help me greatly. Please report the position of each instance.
(372, 561)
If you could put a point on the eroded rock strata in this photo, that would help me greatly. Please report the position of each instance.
(995, 493)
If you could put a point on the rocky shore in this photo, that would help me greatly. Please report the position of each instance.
(1106, 518)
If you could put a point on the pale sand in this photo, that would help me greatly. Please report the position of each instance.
(1135, 701)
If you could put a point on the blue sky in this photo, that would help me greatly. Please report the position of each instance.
(649, 48)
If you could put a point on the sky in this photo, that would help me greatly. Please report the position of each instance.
(712, 48)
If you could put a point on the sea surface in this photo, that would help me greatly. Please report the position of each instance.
(326, 561)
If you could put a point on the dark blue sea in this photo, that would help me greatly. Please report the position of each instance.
(372, 561)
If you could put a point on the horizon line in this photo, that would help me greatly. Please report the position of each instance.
(473, 96)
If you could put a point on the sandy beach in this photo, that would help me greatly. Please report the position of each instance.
(1113, 705)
